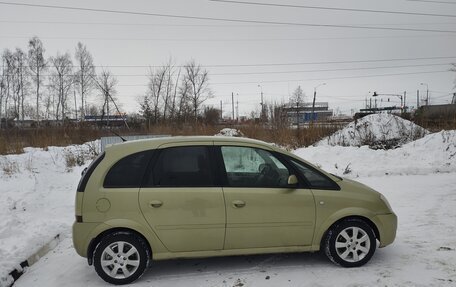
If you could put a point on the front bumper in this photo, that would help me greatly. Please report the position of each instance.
(387, 226)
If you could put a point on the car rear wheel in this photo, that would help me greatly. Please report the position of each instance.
(350, 243)
(121, 258)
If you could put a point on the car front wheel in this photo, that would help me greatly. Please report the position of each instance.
(121, 258)
(350, 243)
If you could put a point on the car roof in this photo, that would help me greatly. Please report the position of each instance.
(152, 143)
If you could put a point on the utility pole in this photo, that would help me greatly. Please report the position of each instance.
(313, 103)
(427, 92)
(237, 110)
(261, 103)
(232, 104)
(405, 102)
(417, 99)
(297, 115)
(221, 110)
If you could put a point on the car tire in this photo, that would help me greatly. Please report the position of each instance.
(121, 257)
(350, 243)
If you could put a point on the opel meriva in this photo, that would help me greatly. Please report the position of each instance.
(183, 197)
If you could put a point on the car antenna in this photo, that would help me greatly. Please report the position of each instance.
(123, 139)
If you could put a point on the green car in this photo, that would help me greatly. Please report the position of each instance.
(187, 197)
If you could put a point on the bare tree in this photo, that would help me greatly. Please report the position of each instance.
(146, 110)
(37, 65)
(61, 82)
(173, 112)
(297, 99)
(8, 66)
(155, 87)
(298, 96)
(184, 107)
(168, 89)
(198, 79)
(106, 85)
(85, 75)
(20, 82)
(2, 86)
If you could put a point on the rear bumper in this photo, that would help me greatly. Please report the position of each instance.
(387, 226)
(82, 235)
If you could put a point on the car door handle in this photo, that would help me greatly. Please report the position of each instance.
(238, 203)
(155, 203)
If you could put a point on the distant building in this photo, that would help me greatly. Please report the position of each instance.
(437, 112)
(302, 113)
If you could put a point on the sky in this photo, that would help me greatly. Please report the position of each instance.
(304, 47)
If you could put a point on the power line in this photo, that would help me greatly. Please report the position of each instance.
(432, 1)
(287, 72)
(136, 24)
(313, 79)
(333, 78)
(277, 64)
(330, 70)
(336, 8)
(228, 40)
(202, 25)
(174, 16)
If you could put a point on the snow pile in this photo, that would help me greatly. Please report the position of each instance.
(37, 191)
(378, 131)
(228, 132)
(432, 154)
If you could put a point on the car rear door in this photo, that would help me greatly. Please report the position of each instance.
(181, 199)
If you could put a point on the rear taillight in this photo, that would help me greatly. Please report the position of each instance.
(78, 218)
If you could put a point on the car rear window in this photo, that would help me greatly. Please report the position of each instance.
(128, 172)
(182, 167)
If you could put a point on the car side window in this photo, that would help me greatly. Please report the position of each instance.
(128, 172)
(182, 167)
(252, 167)
(315, 178)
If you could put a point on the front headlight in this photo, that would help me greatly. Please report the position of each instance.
(385, 201)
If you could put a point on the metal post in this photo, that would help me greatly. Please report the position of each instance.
(313, 105)
(417, 99)
(261, 103)
(405, 101)
(232, 104)
(427, 96)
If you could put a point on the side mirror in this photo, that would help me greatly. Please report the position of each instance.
(292, 180)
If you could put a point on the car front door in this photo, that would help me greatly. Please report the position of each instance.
(262, 210)
(181, 200)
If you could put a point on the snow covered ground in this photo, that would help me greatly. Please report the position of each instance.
(423, 254)
(419, 179)
(37, 194)
(433, 153)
